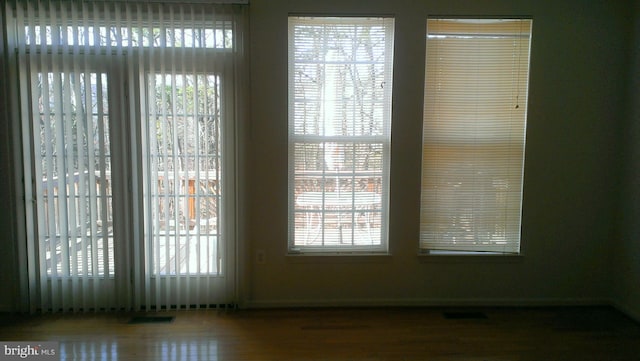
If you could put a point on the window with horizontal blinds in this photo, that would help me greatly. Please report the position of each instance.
(475, 111)
(340, 72)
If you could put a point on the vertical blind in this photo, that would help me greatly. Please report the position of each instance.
(475, 109)
(188, 107)
(67, 116)
(340, 72)
(128, 116)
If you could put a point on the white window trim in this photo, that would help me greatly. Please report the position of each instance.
(383, 139)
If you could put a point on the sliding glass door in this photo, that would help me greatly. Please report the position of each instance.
(184, 178)
(71, 163)
(128, 125)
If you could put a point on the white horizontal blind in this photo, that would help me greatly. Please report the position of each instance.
(474, 134)
(340, 72)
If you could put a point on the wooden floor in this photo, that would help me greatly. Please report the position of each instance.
(582, 333)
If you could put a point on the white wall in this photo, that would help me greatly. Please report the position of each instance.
(576, 100)
(571, 174)
(626, 261)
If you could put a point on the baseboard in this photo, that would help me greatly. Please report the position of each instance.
(431, 302)
(631, 312)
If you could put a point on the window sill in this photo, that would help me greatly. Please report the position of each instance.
(469, 257)
(338, 257)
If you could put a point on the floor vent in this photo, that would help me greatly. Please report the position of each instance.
(151, 319)
(464, 315)
(335, 327)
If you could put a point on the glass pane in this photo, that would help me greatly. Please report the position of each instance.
(137, 36)
(184, 154)
(338, 79)
(74, 199)
(338, 194)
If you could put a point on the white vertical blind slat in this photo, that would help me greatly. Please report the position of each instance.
(175, 197)
(82, 269)
(59, 302)
(50, 292)
(154, 222)
(165, 152)
(103, 121)
(31, 195)
(183, 297)
(198, 197)
(67, 140)
(92, 298)
(198, 214)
